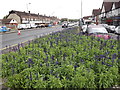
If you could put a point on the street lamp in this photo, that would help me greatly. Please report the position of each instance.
(80, 20)
(27, 6)
(81, 8)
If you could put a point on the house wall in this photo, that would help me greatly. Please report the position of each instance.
(0, 23)
(16, 17)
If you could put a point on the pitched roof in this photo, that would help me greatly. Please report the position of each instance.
(117, 4)
(26, 15)
(108, 6)
(6, 21)
(96, 12)
(19, 13)
(87, 17)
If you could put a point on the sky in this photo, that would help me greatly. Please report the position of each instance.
(61, 8)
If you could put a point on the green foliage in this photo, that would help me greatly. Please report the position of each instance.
(63, 59)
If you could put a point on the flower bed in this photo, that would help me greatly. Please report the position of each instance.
(65, 59)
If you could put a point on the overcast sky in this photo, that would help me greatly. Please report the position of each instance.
(60, 8)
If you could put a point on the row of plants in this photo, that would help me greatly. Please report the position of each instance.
(65, 59)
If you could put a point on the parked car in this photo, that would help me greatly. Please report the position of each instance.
(111, 29)
(104, 25)
(98, 31)
(4, 29)
(84, 28)
(33, 26)
(22, 26)
(117, 30)
(65, 25)
(28, 26)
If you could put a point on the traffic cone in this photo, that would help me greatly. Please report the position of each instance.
(19, 32)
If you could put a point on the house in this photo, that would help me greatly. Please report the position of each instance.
(95, 14)
(0, 22)
(110, 13)
(31, 18)
(10, 23)
(116, 13)
(88, 19)
(106, 12)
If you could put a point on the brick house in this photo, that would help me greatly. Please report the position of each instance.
(0, 22)
(10, 23)
(116, 13)
(95, 14)
(88, 19)
(110, 13)
(24, 17)
(106, 8)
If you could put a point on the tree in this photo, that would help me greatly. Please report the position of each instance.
(5, 17)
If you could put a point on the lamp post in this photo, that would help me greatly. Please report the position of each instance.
(80, 20)
(28, 12)
(81, 8)
(27, 6)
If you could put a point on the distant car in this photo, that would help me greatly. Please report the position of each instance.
(98, 31)
(33, 26)
(22, 26)
(84, 28)
(117, 30)
(65, 25)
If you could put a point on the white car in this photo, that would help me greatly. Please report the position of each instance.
(22, 26)
(84, 28)
(104, 25)
(117, 30)
(96, 29)
(111, 27)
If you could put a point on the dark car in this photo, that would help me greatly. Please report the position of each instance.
(64, 25)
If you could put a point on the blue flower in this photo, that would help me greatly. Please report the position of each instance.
(75, 66)
(112, 47)
(107, 52)
(109, 65)
(103, 63)
(53, 57)
(114, 56)
(30, 61)
(41, 65)
(102, 56)
(81, 60)
(56, 62)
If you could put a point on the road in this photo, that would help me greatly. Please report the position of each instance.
(13, 38)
